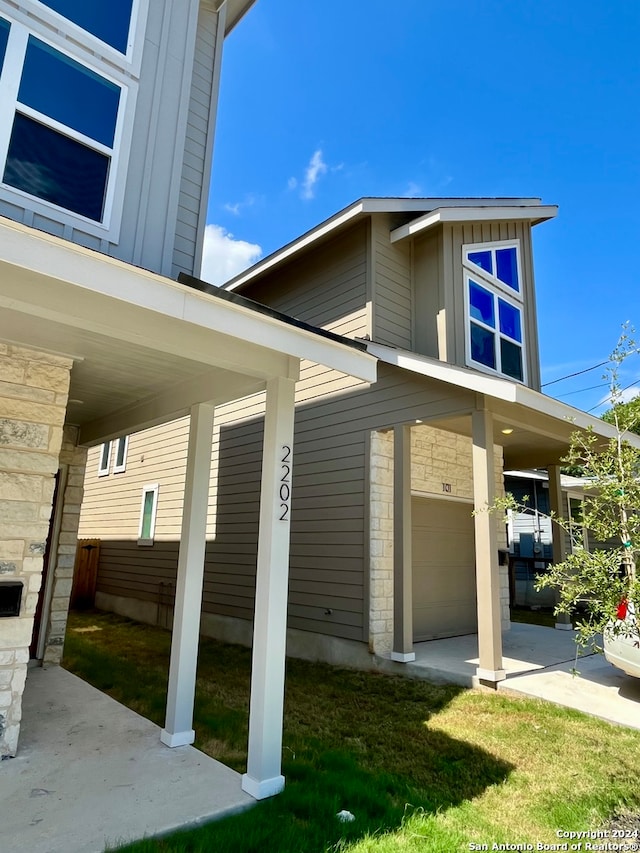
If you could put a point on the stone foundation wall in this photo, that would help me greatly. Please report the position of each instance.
(441, 465)
(33, 400)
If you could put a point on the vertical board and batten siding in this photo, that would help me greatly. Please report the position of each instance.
(392, 296)
(454, 237)
(428, 296)
(170, 138)
(194, 184)
(156, 161)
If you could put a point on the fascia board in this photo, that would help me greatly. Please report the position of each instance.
(363, 207)
(273, 260)
(497, 388)
(533, 214)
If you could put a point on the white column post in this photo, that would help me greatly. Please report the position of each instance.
(402, 562)
(558, 506)
(264, 764)
(178, 729)
(487, 572)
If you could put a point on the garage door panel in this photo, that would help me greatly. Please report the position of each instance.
(444, 586)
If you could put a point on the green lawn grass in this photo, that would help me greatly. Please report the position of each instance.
(422, 767)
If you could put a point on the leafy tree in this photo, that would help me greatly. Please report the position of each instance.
(591, 585)
(594, 583)
(627, 414)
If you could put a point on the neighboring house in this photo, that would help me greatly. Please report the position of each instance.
(106, 133)
(530, 534)
(385, 549)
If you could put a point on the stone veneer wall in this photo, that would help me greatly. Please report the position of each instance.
(439, 460)
(62, 558)
(33, 399)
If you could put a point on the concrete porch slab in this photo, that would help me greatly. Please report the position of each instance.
(539, 663)
(91, 773)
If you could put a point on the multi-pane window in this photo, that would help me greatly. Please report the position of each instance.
(63, 108)
(110, 22)
(494, 308)
(120, 447)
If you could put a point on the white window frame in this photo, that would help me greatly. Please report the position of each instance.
(103, 469)
(133, 54)
(35, 19)
(497, 288)
(152, 488)
(123, 441)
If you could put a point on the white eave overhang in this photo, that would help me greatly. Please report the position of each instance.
(99, 281)
(146, 348)
(533, 214)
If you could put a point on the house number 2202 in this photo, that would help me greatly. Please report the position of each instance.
(284, 484)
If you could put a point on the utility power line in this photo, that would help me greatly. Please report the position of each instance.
(577, 373)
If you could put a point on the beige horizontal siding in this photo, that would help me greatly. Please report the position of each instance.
(111, 504)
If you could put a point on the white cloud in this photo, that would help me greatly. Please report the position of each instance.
(224, 257)
(237, 207)
(316, 168)
(312, 174)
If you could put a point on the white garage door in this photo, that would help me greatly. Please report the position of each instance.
(444, 581)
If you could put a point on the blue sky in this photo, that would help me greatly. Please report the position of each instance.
(322, 103)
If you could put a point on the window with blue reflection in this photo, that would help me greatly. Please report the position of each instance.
(507, 267)
(53, 167)
(484, 260)
(64, 90)
(4, 38)
(481, 304)
(108, 20)
(483, 346)
(509, 318)
(511, 359)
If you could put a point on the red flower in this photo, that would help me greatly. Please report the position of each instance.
(623, 607)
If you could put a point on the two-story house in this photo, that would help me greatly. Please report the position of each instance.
(107, 115)
(386, 550)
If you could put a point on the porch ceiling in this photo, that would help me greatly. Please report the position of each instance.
(540, 426)
(144, 348)
(526, 446)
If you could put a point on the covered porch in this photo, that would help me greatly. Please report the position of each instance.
(112, 349)
(440, 526)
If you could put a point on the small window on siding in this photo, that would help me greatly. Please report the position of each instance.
(120, 461)
(148, 510)
(105, 459)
